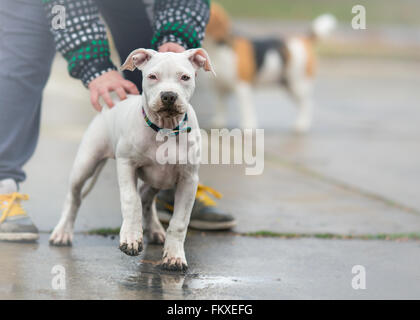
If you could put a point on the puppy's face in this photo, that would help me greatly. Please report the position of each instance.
(168, 78)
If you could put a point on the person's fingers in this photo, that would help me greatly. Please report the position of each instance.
(107, 98)
(94, 100)
(163, 48)
(177, 49)
(121, 93)
(171, 47)
(130, 87)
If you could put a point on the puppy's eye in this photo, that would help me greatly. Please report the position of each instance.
(185, 78)
(152, 77)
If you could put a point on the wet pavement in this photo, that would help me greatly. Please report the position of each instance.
(356, 173)
(221, 267)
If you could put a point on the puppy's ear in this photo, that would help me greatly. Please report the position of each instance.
(200, 59)
(137, 59)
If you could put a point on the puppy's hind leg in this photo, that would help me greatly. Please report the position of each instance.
(153, 229)
(90, 158)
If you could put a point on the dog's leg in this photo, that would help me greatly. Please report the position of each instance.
(220, 115)
(243, 91)
(152, 226)
(305, 114)
(91, 153)
(131, 233)
(301, 92)
(173, 251)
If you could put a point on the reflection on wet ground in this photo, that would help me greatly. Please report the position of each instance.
(171, 285)
(149, 277)
(220, 267)
(94, 268)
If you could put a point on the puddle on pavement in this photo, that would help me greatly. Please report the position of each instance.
(171, 284)
(103, 274)
(204, 282)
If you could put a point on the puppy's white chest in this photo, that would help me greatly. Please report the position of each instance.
(159, 176)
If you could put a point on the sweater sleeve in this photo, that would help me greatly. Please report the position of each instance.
(180, 21)
(83, 42)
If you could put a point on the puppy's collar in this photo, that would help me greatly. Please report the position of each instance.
(181, 127)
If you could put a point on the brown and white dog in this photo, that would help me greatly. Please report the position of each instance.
(242, 63)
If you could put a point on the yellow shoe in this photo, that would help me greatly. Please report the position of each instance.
(205, 214)
(15, 224)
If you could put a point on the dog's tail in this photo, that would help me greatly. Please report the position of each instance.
(94, 178)
(322, 26)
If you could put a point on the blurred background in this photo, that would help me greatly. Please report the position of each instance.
(390, 42)
(335, 193)
(355, 172)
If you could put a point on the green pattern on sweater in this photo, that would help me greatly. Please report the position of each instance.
(84, 44)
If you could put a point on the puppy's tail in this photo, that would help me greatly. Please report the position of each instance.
(322, 26)
(94, 178)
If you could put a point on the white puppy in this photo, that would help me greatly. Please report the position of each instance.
(127, 133)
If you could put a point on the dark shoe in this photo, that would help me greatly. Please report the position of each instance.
(15, 224)
(204, 216)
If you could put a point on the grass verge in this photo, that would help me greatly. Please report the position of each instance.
(377, 11)
(282, 235)
(379, 236)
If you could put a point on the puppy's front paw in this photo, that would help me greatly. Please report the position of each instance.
(174, 264)
(131, 243)
(61, 237)
(174, 259)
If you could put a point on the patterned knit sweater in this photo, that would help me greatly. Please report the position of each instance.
(84, 44)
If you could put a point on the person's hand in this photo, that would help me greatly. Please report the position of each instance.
(171, 47)
(106, 83)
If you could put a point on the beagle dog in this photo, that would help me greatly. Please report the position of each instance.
(242, 63)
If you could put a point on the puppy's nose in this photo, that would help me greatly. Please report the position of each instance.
(168, 98)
